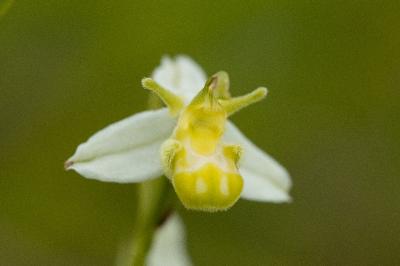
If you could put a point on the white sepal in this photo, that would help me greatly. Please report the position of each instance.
(126, 151)
(180, 75)
(264, 178)
(169, 245)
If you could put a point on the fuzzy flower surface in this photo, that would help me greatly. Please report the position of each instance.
(191, 141)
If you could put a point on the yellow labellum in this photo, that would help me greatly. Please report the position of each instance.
(208, 188)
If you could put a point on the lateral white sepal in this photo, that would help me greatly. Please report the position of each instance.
(126, 151)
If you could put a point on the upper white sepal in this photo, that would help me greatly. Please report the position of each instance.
(180, 75)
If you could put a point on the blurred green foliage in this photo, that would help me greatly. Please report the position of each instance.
(69, 68)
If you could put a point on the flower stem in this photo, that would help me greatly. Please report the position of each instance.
(153, 203)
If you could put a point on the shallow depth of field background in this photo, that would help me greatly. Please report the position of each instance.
(69, 68)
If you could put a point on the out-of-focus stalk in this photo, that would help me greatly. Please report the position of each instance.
(153, 204)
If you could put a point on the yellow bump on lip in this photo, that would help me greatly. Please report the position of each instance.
(208, 188)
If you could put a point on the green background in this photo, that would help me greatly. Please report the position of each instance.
(69, 68)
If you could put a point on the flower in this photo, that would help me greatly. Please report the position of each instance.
(169, 247)
(209, 161)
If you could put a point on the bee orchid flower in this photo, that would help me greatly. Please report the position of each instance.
(209, 162)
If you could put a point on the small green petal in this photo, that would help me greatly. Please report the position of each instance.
(233, 105)
(172, 101)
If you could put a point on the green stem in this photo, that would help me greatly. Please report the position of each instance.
(153, 204)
